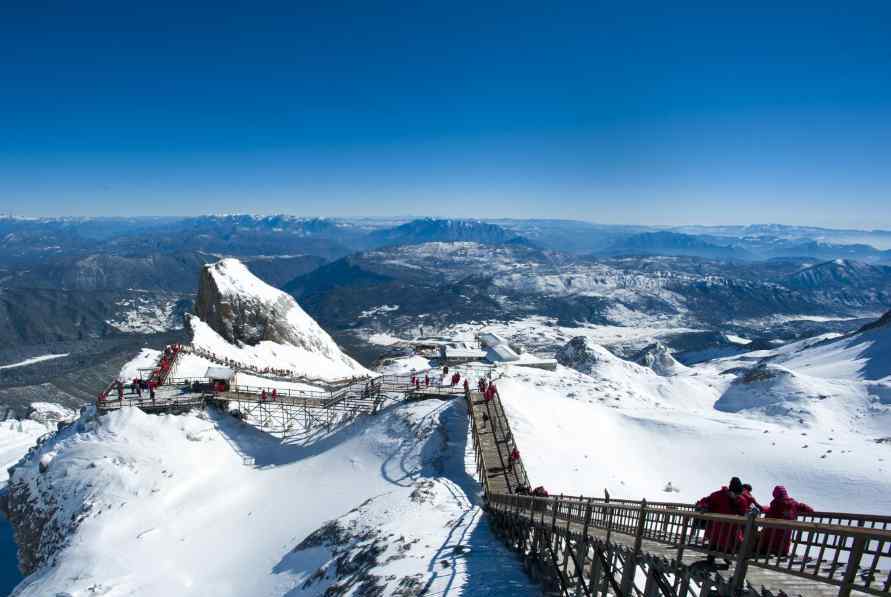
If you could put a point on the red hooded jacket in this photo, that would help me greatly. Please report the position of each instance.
(723, 536)
(777, 541)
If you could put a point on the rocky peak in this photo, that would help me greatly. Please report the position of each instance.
(583, 354)
(244, 310)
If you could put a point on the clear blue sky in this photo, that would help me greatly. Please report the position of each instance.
(656, 113)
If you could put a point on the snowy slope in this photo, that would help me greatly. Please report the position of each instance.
(864, 355)
(332, 364)
(218, 508)
(809, 415)
(581, 435)
(17, 436)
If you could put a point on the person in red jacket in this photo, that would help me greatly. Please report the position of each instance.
(426, 381)
(724, 536)
(514, 457)
(466, 385)
(750, 499)
(776, 541)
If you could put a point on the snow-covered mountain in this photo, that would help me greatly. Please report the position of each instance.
(842, 274)
(240, 317)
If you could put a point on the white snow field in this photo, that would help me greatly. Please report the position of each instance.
(34, 360)
(202, 504)
(814, 416)
(17, 436)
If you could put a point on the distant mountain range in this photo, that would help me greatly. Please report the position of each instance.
(434, 230)
(68, 278)
(666, 242)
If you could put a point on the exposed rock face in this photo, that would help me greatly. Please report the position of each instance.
(582, 354)
(244, 310)
(43, 522)
(658, 357)
(883, 322)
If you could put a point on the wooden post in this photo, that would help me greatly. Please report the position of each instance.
(680, 553)
(582, 551)
(852, 567)
(630, 567)
(742, 556)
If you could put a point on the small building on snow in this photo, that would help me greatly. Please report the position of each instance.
(459, 352)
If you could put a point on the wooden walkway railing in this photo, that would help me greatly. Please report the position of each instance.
(601, 546)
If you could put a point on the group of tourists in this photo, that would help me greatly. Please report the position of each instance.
(271, 395)
(416, 381)
(139, 386)
(289, 374)
(488, 389)
(737, 499)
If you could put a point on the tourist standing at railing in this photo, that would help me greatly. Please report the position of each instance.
(751, 502)
(466, 385)
(724, 537)
(777, 541)
(426, 381)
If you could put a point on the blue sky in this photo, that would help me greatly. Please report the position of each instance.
(654, 113)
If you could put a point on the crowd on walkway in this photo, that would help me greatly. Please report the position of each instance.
(282, 373)
(138, 386)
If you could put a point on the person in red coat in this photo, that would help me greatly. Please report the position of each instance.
(466, 385)
(724, 536)
(514, 457)
(750, 499)
(776, 541)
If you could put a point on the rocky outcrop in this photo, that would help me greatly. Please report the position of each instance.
(43, 521)
(658, 357)
(582, 354)
(244, 310)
